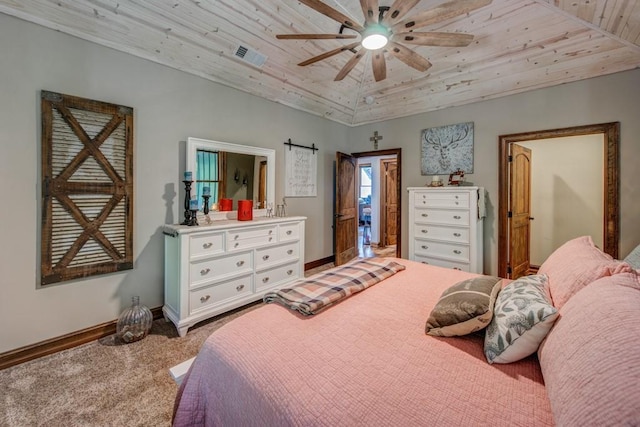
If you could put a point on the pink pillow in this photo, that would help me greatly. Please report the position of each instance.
(590, 359)
(574, 265)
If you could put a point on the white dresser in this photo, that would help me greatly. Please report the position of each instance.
(210, 269)
(445, 226)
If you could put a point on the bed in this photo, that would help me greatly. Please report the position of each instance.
(366, 360)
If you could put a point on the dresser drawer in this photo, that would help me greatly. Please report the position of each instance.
(220, 292)
(442, 216)
(289, 231)
(441, 199)
(442, 263)
(207, 270)
(439, 249)
(243, 239)
(273, 276)
(438, 232)
(206, 244)
(277, 254)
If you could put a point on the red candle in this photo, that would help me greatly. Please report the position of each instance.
(245, 210)
(225, 205)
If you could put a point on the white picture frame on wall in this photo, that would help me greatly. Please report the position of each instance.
(301, 170)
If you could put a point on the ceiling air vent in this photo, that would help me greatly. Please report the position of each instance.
(251, 56)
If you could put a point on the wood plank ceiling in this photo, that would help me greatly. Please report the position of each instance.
(519, 45)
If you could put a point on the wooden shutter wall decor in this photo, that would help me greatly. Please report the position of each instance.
(87, 187)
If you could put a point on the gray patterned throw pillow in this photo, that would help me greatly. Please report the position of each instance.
(523, 315)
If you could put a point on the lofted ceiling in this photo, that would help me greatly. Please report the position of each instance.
(519, 45)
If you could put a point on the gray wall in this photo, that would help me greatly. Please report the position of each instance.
(170, 106)
(600, 100)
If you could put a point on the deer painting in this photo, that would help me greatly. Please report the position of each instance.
(447, 148)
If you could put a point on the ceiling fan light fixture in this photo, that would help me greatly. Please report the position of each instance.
(375, 37)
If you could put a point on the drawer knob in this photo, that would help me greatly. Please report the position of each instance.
(236, 237)
(425, 231)
(265, 280)
(236, 245)
(290, 251)
(457, 203)
(205, 271)
(289, 232)
(239, 288)
(207, 245)
(457, 234)
(425, 247)
(425, 215)
(456, 196)
(270, 231)
(457, 217)
(266, 257)
(205, 298)
(270, 238)
(457, 252)
(289, 272)
(240, 263)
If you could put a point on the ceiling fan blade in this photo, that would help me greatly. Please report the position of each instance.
(398, 9)
(333, 14)
(435, 39)
(314, 36)
(409, 57)
(350, 64)
(440, 13)
(329, 54)
(370, 10)
(379, 65)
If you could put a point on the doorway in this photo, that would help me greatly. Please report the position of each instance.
(380, 198)
(514, 216)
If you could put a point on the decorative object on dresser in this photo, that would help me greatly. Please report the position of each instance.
(215, 268)
(456, 178)
(445, 226)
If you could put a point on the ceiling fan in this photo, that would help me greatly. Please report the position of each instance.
(384, 29)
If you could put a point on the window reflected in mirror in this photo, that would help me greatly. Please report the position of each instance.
(210, 170)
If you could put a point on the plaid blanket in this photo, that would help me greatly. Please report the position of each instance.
(313, 294)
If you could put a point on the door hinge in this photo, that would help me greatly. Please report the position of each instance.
(509, 214)
(508, 269)
(510, 159)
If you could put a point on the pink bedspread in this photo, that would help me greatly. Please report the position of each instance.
(364, 361)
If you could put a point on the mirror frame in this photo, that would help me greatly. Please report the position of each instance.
(195, 144)
(611, 181)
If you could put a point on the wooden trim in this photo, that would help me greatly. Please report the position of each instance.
(74, 339)
(319, 262)
(64, 342)
(611, 176)
(398, 153)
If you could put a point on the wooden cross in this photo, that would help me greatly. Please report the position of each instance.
(375, 138)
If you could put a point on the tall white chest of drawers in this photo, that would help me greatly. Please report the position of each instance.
(211, 269)
(445, 227)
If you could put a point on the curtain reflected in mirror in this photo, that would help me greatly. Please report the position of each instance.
(229, 175)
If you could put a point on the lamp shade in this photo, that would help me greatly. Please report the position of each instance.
(375, 37)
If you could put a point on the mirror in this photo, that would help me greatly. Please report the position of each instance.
(231, 171)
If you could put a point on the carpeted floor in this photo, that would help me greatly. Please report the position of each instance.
(103, 383)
